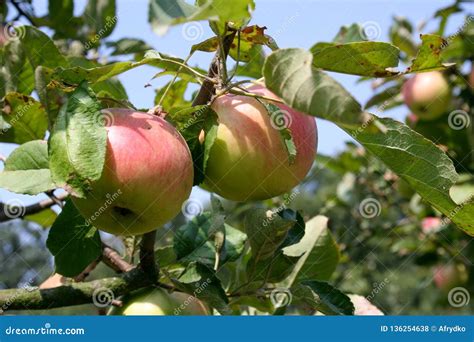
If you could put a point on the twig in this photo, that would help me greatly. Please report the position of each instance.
(29, 209)
(84, 274)
(207, 89)
(111, 258)
(22, 12)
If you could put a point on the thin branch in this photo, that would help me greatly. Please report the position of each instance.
(111, 258)
(29, 209)
(20, 11)
(244, 93)
(147, 256)
(207, 89)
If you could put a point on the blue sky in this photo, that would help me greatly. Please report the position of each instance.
(293, 23)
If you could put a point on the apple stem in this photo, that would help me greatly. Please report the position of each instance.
(208, 89)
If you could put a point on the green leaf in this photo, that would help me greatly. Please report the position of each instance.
(276, 114)
(290, 74)
(194, 241)
(99, 16)
(401, 35)
(174, 95)
(267, 231)
(429, 54)
(317, 251)
(73, 242)
(59, 12)
(420, 163)
(44, 218)
(75, 75)
(164, 13)
(190, 122)
(349, 34)
(357, 58)
(252, 68)
(78, 142)
(27, 170)
(40, 49)
(323, 297)
(18, 71)
(201, 281)
(127, 46)
(384, 97)
(26, 118)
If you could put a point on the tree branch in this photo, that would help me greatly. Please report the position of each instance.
(29, 209)
(111, 258)
(207, 89)
(73, 294)
(147, 256)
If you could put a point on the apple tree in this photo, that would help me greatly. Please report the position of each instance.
(274, 232)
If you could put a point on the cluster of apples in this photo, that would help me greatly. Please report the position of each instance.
(149, 163)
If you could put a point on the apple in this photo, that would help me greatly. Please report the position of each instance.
(431, 224)
(148, 174)
(448, 276)
(158, 302)
(248, 160)
(428, 94)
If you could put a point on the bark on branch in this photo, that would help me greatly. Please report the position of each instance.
(5, 214)
(207, 89)
(73, 294)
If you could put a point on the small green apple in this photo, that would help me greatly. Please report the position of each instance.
(148, 174)
(248, 160)
(428, 94)
(159, 302)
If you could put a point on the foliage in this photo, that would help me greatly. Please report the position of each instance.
(355, 225)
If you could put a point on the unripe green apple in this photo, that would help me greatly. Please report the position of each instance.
(147, 175)
(428, 94)
(158, 302)
(248, 160)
